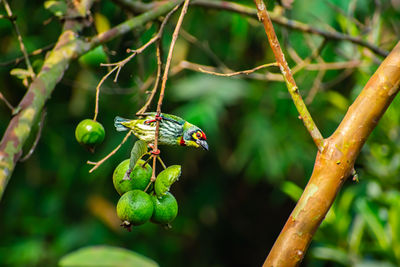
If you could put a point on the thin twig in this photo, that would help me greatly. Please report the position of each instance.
(268, 76)
(286, 72)
(96, 107)
(20, 41)
(306, 62)
(336, 65)
(98, 163)
(203, 46)
(316, 87)
(349, 16)
(36, 52)
(165, 78)
(6, 102)
(247, 72)
(162, 162)
(159, 63)
(37, 138)
(157, 81)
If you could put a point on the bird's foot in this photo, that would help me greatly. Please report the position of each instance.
(155, 152)
(156, 118)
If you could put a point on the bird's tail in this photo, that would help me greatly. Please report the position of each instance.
(118, 124)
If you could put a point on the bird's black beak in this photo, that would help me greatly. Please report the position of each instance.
(203, 144)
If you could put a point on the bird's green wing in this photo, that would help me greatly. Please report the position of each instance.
(167, 117)
(174, 118)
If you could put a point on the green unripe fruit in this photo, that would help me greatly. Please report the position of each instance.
(139, 178)
(165, 209)
(166, 178)
(89, 133)
(135, 207)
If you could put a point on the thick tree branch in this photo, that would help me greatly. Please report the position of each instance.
(67, 48)
(335, 163)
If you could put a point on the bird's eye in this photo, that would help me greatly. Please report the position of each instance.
(198, 134)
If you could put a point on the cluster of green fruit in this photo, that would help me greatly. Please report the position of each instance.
(141, 199)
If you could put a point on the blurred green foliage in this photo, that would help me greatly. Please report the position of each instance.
(233, 199)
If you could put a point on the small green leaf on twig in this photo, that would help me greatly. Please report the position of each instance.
(21, 73)
(138, 151)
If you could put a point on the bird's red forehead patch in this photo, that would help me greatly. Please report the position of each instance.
(203, 135)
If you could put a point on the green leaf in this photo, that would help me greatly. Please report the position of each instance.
(394, 224)
(138, 151)
(330, 253)
(101, 23)
(105, 256)
(370, 214)
(58, 8)
(292, 190)
(356, 234)
(337, 100)
(218, 90)
(373, 263)
(20, 73)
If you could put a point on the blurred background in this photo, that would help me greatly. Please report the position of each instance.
(234, 199)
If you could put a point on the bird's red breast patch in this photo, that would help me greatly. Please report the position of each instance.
(182, 142)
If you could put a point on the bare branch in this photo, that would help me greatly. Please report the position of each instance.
(98, 163)
(268, 76)
(37, 138)
(157, 81)
(247, 72)
(6, 102)
(33, 53)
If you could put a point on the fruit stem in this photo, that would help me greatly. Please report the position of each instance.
(162, 162)
(147, 161)
(153, 176)
(147, 187)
